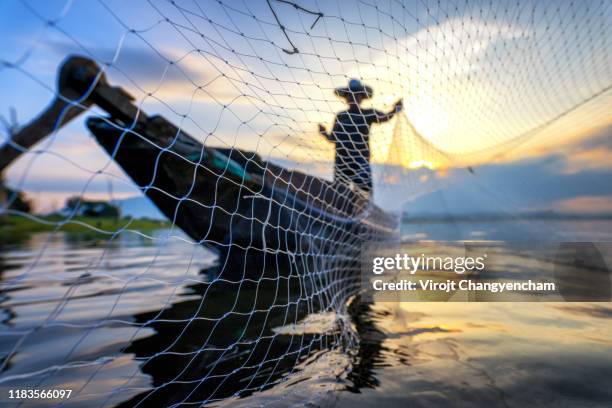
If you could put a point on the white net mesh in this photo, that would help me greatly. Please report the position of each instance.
(210, 109)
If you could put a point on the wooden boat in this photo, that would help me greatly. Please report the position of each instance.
(237, 203)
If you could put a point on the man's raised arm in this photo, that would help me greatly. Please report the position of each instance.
(323, 132)
(383, 117)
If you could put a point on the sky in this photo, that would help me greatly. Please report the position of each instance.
(483, 83)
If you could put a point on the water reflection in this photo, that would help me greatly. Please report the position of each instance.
(143, 322)
(437, 354)
(200, 353)
(368, 354)
(134, 321)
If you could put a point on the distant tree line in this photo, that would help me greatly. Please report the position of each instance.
(17, 200)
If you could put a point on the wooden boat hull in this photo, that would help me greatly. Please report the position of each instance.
(237, 203)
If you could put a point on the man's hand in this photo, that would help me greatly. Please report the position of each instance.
(328, 136)
(399, 105)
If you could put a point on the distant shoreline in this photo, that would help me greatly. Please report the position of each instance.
(13, 225)
(543, 216)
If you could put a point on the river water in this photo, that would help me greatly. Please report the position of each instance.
(122, 321)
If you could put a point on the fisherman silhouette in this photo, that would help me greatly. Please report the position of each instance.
(351, 135)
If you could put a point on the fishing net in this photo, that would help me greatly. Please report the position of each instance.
(203, 118)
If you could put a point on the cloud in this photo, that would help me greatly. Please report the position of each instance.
(591, 152)
(144, 62)
(585, 204)
(600, 138)
(166, 73)
(521, 186)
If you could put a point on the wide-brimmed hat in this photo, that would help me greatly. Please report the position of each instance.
(355, 87)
